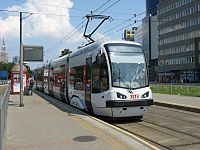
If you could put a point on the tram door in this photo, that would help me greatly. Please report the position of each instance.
(88, 85)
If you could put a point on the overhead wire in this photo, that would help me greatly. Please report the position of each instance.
(51, 5)
(107, 9)
(68, 36)
(135, 15)
(118, 30)
(109, 6)
(101, 6)
(78, 9)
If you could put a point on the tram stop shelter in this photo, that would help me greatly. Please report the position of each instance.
(15, 78)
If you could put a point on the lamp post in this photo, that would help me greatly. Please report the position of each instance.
(21, 64)
(21, 59)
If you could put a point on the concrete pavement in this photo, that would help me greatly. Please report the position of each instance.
(49, 125)
(188, 103)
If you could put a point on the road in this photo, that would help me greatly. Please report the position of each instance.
(167, 128)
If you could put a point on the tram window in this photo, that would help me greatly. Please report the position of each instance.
(100, 75)
(76, 78)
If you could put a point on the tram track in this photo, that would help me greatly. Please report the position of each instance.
(144, 138)
(193, 116)
(158, 144)
(174, 130)
(166, 131)
(176, 118)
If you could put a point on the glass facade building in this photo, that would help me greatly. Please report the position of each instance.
(151, 7)
(179, 41)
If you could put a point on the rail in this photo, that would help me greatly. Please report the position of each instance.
(3, 113)
(177, 89)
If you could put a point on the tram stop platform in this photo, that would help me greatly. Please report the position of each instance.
(46, 124)
(187, 103)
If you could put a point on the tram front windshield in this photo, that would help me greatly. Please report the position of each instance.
(128, 67)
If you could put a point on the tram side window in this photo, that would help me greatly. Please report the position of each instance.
(40, 75)
(62, 78)
(76, 78)
(51, 75)
(100, 75)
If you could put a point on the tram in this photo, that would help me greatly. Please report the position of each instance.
(104, 78)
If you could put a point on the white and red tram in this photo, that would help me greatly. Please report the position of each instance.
(104, 78)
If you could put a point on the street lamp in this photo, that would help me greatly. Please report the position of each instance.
(21, 59)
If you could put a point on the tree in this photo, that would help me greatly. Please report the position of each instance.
(65, 52)
(30, 72)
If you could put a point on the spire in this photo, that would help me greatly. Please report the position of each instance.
(3, 46)
(3, 41)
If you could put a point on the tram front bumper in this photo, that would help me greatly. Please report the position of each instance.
(129, 103)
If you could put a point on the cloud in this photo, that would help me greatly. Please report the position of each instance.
(10, 27)
(46, 21)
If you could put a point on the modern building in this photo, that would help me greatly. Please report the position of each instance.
(150, 38)
(151, 7)
(16, 59)
(179, 41)
(138, 35)
(129, 35)
(3, 53)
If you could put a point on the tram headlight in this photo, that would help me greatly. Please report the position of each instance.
(145, 95)
(119, 95)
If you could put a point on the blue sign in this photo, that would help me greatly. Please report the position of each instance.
(3, 74)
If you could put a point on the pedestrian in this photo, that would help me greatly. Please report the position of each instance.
(31, 83)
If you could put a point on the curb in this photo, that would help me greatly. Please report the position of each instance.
(181, 107)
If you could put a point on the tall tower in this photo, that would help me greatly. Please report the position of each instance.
(3, 53)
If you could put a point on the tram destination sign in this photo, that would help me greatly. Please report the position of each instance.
(32, 53)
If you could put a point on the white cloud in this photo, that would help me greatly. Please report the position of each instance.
(10, 27)
(39, 24)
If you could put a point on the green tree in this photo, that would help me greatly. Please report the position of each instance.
(30, 72)
(65, 52)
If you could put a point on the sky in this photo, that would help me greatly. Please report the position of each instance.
(60, 24)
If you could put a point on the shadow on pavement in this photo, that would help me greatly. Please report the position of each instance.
(58, 104)
(11, 103)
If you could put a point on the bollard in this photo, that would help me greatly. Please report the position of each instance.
(156, 88)
(186, 89)
(170, 88)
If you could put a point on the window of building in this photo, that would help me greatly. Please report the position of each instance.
(199, 45)
(199, 58)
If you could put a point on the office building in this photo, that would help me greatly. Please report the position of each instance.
(138, 35)
(179, 41)
(150, 38)
(151, 7)
(16, 59)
